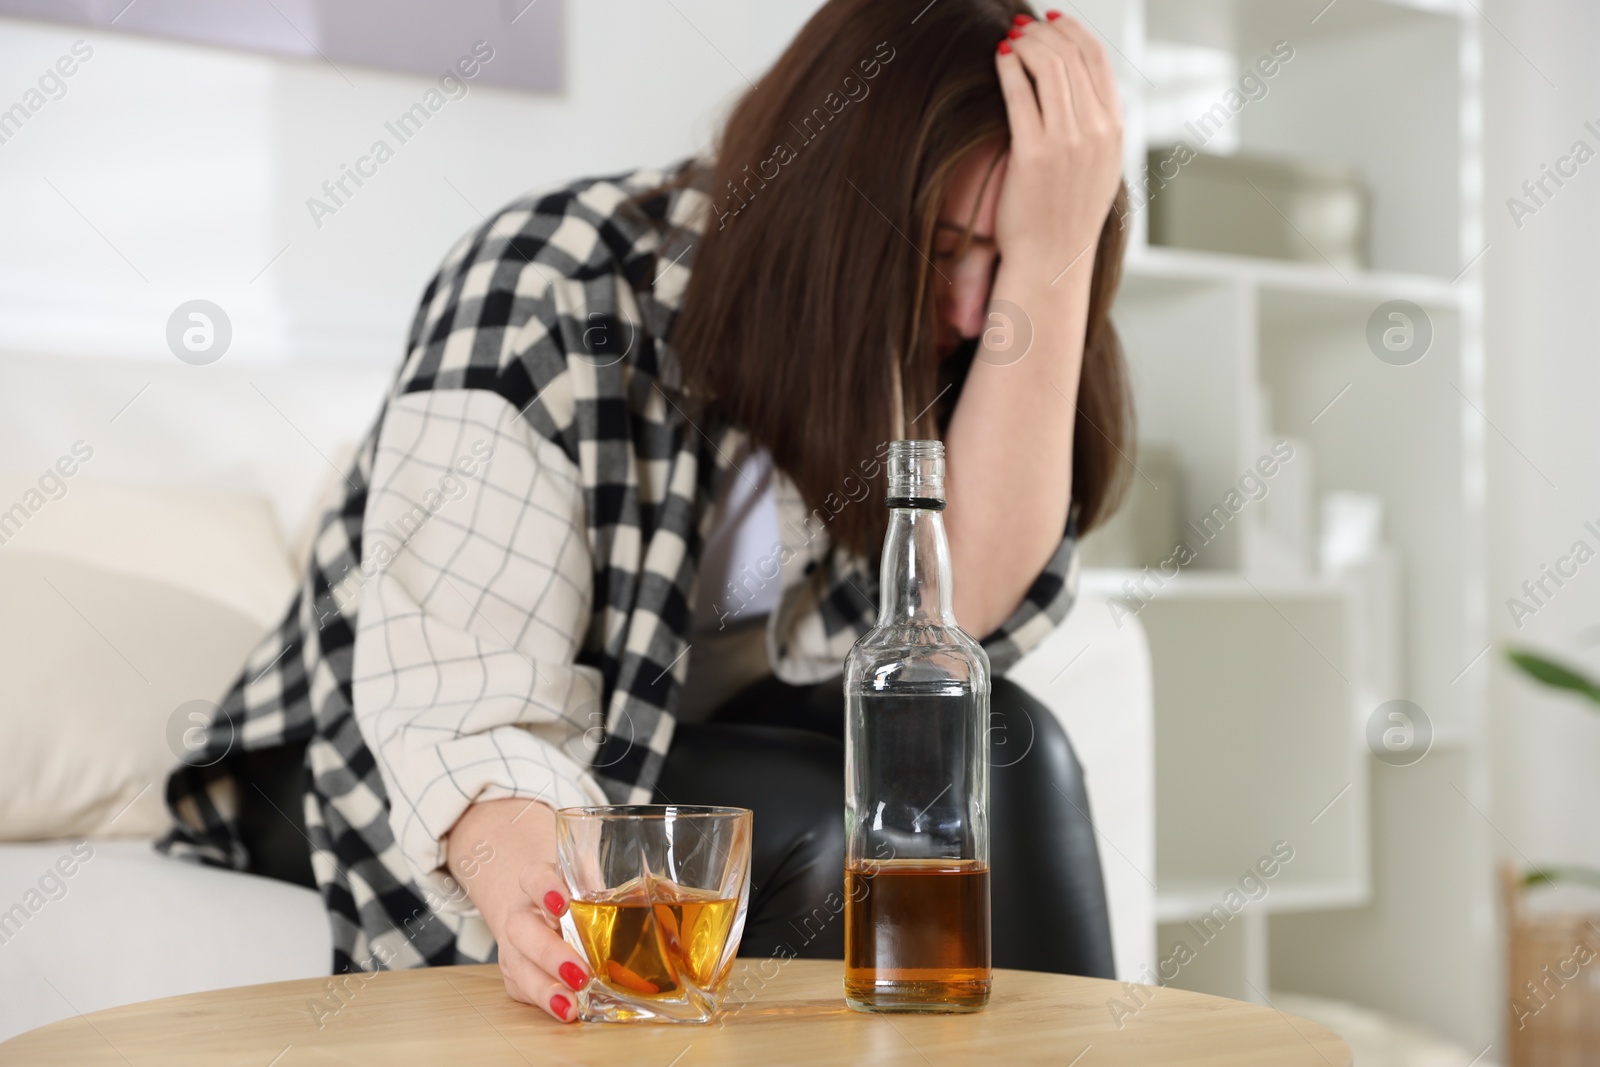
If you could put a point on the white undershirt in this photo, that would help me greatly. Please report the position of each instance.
(739, 579)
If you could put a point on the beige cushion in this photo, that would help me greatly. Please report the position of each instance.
(95, 665)
(224, 545)
(122, 605)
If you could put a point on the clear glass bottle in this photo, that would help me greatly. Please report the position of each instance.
(916, 772)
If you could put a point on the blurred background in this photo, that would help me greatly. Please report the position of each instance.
(1358, 304)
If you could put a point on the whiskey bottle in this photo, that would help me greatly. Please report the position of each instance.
(916, 772)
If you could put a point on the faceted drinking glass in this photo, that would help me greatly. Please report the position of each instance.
(659, 894)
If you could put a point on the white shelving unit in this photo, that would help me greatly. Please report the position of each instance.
(1265, 677)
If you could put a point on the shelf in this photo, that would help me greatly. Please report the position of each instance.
(1263, 686)
(1157, 263)
(1373, 85)
(1381, 14)
(1255, 695)
(1211, 585)
(1181, 901)
(1219, 22)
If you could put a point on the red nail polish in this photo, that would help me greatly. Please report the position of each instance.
(573, 975)
(560, 1005)
(553, 901)
(1022, 20)
(1052, 15)
(1014, 33)
(1005, 48)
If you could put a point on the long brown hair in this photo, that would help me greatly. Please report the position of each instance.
(810, 317)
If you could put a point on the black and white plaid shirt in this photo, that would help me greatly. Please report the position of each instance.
(499, 606)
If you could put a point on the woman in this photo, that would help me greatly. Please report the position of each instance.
(630, 475)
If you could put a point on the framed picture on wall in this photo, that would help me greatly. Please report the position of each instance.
(412, 36)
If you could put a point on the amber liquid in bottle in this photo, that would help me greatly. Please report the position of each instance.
(916, 692)
(921, 925)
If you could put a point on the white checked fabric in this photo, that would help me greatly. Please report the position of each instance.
(522, 629)
(466, 685)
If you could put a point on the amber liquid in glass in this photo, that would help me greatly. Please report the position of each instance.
(654, 942)
(918, 936)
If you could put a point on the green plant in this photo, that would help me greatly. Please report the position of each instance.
(1554, 674)
(1550, 673)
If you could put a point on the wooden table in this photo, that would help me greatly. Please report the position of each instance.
(461, 1016)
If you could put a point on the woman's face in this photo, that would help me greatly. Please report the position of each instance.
(963, 299)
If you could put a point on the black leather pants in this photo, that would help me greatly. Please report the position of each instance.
(779, 750)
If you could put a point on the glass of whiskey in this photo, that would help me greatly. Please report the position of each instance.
(658, 900)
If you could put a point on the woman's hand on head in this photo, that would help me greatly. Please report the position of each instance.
(1065, 161)
(522, 900)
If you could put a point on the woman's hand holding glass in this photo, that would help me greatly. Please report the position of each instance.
(521, 896)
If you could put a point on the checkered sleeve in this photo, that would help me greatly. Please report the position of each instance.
(1046, 603)
(824, 611)
(476, 596)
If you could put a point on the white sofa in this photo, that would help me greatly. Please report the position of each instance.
(124, 604)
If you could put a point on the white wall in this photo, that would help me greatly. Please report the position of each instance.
(1544, 392)
(194, 165)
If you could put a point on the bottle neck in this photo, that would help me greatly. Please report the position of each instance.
(914, 577)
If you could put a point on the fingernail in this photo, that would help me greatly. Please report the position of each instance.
(1022, 20)
(1014, 33)
(553, 901)
(1005, 48)
(1052, 15)
(560, 1005)
(573, 975)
